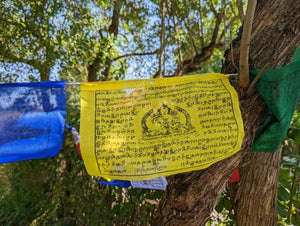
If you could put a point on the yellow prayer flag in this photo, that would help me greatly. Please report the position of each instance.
(143, 129)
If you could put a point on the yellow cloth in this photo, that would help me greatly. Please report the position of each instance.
(143, 129)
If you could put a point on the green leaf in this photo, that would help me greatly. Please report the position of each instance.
(294, 133)
(219, 207)
(282, 210)
(224, 203)
(286, 184)
(296, 222)
(283, 194)
(227, 204)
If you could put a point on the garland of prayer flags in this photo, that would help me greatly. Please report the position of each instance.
(144, 129)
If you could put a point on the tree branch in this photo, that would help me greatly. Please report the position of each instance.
(245, 44)
(134, 54)
(192, 42)
(201, 25)
(212, 7)
(113, 29)
(241, 10)
(294, 182)
(169, 10)
(11, 58)
(231, 20)
(162, 39)
(95, 66)
(214, 37)
(114, 26)
(192, 65)
(188, 25)
(250, 90)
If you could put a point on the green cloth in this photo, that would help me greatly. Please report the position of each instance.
(280, 89)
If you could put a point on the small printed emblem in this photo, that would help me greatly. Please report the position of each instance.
(165, 121)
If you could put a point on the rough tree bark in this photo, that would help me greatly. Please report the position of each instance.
(191, 197)
(275, 33)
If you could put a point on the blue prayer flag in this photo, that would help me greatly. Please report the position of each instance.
(119, 183)
(32, 119)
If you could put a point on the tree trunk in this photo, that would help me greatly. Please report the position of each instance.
(191, 197)
(255, 196)
(45, 71)
(276, 32)
(94, 68)
(113, 30)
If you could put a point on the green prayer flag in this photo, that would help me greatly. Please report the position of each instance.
(280, 89)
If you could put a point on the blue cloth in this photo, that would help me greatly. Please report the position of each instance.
(32, 119)
(119, 183)
(69, 127)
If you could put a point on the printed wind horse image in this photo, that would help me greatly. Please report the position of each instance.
(166, 121)
(144, 129)
(32, 118)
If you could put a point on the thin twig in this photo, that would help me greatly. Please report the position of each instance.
(292, 193)
(250, 90)
(232, 53)
(245, 44)
(134, 54)
(162, 39)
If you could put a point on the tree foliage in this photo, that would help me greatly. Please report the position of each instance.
(113, 38)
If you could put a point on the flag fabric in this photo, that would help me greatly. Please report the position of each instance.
(32, 118)
(159, 183)
(235, 177)
(144, 129)
(76, 138)
(280, 89)
(119, 183)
